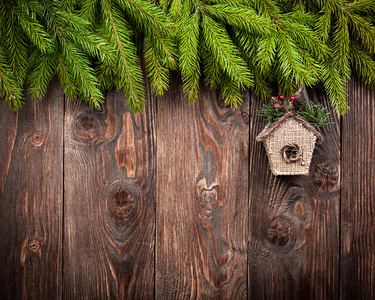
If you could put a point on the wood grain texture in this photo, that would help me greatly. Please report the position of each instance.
(109, 207)
(83, 198)
(358, 194)
(202, 197)
(31, 195)
(293, 250)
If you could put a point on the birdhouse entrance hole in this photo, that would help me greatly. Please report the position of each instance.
(291, 153)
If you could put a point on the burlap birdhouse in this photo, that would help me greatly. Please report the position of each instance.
(290, 143)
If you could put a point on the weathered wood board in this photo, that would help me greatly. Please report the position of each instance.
(294, 221)
(202, 197)
(31, 198)
(358, 195)
(109, 204)
(179, 202)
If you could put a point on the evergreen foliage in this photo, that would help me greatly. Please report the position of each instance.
(316, 114)
(271, 114)
(94, 45)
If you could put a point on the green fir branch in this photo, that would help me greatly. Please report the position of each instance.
(189, 62)
(34, 31)
(220, 45)
(128, 69)
(335, 87)
(9, 89)
(157, 72)
(363, 64)
(94, 45)
(42, 71)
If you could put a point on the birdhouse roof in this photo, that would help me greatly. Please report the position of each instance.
(266, 132)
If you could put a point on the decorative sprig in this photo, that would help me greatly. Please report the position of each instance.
(269, 112)
(316, 114)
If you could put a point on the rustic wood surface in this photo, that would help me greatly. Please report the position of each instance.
(294, 221)
(358, 195)
(180, 203)
(109, 207)
(31, 198)
(202, 197)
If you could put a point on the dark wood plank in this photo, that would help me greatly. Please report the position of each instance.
(109, 201)
(358, 194)
(8, 131)
(31, 195)
(202, 197)
(294, 220)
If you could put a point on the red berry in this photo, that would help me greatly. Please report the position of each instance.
(281, 97)
(292, 98)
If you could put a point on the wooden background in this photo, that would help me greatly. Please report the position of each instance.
(179, 203)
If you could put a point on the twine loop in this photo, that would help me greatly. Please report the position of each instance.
(292, 153)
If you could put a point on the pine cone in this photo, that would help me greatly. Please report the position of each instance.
(297, 102)
(275, 103)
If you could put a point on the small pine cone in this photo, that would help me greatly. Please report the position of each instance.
(275, 103)
(297, 102)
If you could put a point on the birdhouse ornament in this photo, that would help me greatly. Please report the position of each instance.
(290, 139)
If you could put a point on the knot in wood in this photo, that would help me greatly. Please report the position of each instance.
(245, 117)
(33, 246)
(36, 139)
(121, 205)
(281, 233)
(88, 128)
(209, 197)
(325, 176)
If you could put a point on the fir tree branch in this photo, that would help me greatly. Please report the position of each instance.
(130, 74)
(310, 64)
(241, 17)
(285, 42)
(9, 89)
(212, 71)
(155, 23)
(363, 31)
(266, 8)
(83, 74)
(323, 26)
(291, 71)
(41, 74)
(144, 11)
(362, 7)
(88, 10)
(340, 47)
(175, 9)
(34, 31)
(261, 88)
(15, 48)
(230, 91)
(189, 58)
(225, 53)
(363, 64)
(335, 85)
(90, 43)
(265, 57)
(189, 44)
(158, 74)
(187, 10)
(305, 38)
(66, 79)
